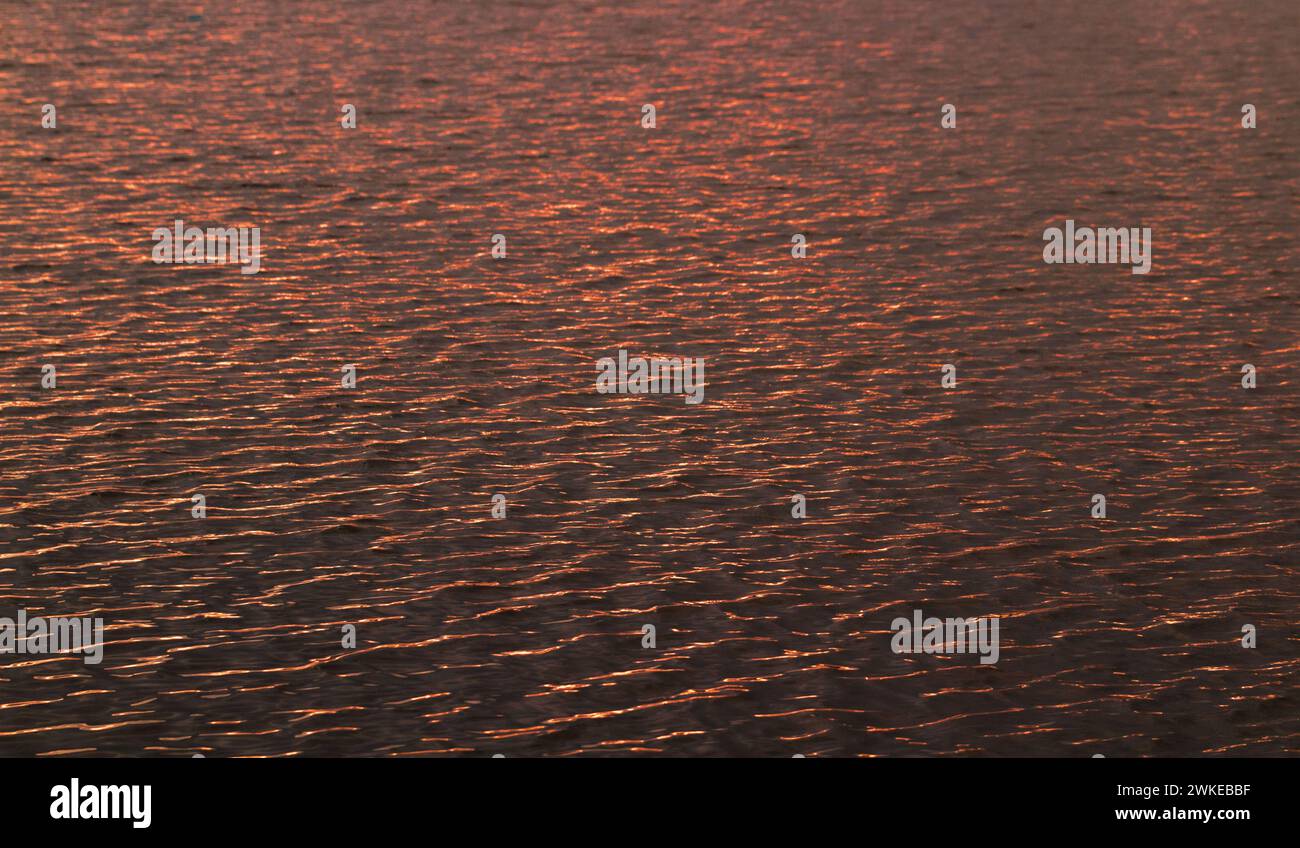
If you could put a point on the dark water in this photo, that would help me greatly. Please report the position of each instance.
(522, 636)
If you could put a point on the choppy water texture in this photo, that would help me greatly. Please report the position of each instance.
(523, 636)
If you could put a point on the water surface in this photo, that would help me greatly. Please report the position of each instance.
(522, 636)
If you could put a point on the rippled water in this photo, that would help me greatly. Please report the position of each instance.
(523, 636)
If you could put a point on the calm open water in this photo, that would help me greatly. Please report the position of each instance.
(522, 636)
